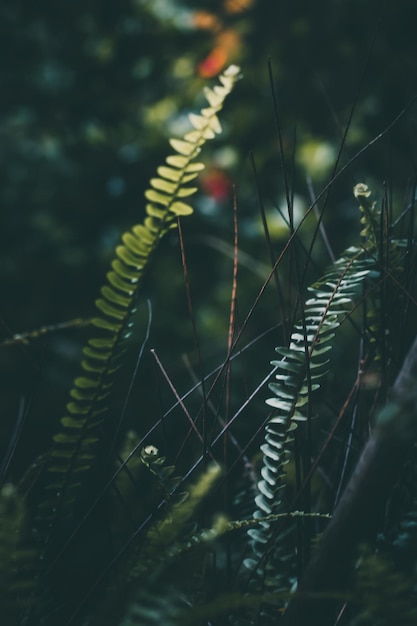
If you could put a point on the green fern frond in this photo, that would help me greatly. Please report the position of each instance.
(174, 533)
(75, 446)
(298, 374)
(154, 580)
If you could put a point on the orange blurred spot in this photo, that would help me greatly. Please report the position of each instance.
(203, 20)
(213, 64)
(227, 44)
(237, 6)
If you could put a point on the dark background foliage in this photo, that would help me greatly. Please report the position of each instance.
(90, 93)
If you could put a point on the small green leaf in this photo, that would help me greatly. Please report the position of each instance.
(136, 245)
(86, 383)
(110, 310)
(163, 185)
(230, 74)
(299, 417)
(266, 491)
(287, 365)
(194, 167)
(124, 272)
(76, 408)
(180, 208)
(187, 177)
(300, 337)
(183, 147)
(159, 198)
(102, 343)
(88, 396)
(177, 161)
(169, 173)
(112, 295)
(289, 353)
(106, 325)
(270, 452)
(120, 283)
(197, 121)
(129, 258)
(214, 99)
(154, 226)
(317, 351)
(60, 454)
(143, 234)
(279, 419)
(282, 405)
(70, 422)
(194, 137)
(257, 535)
(215, 125)
(301, 400)
(65, 438)
(95, 354)
(287, 379)
(95, 368)
(209, 134)
(156, 212)
(208, 112)
(280, 391)
(183, 192)
(221, 91)
(82, 395)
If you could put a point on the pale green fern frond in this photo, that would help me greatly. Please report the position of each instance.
(297, 375)
(83, 446)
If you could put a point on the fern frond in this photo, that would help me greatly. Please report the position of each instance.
(298, 374)
(81, 448)
(174, 533)
(154, 580)
(75, 446)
